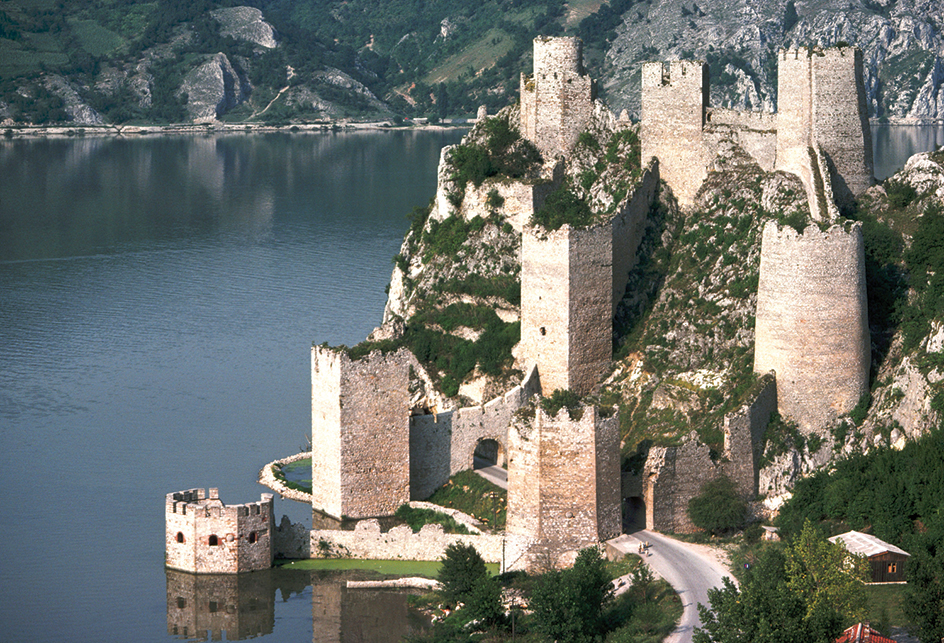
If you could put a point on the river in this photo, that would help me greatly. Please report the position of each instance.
(158, 300)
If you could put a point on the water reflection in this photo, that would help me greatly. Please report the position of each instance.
(893, 145)
(241, 606)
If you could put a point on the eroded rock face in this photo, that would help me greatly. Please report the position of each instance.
(212, 89)
(79, 112)
(246, 23)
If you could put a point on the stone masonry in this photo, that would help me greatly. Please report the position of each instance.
(674, 101)
(557, 101)
(812, 323)
(204, 536)
(563, 482)
(820, 132)
(360, 432)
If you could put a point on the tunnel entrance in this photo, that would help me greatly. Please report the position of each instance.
(634, 514)
(487, 453)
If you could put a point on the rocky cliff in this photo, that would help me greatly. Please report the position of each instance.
(902, 41)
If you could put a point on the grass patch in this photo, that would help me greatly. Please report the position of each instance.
(472, 494)
(493, 44)
(885, 605)
(424, 568)
(417, 518)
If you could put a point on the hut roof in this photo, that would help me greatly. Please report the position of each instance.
(858, 543)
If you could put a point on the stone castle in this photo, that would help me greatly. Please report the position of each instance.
(375, 449)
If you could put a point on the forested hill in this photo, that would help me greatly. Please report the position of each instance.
(131, 61)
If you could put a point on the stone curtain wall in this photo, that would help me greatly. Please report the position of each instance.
(674, 100)
(240, 605)
(591, 307)
(629, 226)
(367, 541)
(841, 122)
(360, 432)
(557, 100)
(755, 132)
(442, 444)
(744, 437)
(812, 322)
(243, 533)
(564, 481)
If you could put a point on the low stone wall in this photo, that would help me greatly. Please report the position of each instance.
(470, 523)
(291, 540)
(267, 478)
(367, 541)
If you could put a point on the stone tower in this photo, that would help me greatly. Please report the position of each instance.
(204, 536)
(557, 100)
(360, 432)
(674, 100)
(567, 305)
(822, 117)
(812, 323)
(564, 480)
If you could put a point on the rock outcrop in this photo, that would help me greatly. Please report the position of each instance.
(212, 89)
(246, 23)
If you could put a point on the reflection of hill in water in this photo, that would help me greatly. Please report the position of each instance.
(204, 607)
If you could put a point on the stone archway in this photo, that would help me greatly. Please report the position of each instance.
(634, 514)
(488, 452)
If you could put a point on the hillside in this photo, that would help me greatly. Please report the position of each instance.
(130, 61)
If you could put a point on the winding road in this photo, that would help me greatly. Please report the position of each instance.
(684, 567)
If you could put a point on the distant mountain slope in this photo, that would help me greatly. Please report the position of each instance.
(120, 61)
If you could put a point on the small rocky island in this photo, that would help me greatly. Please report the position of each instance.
(618, 313)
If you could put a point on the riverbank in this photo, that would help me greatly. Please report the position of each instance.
(183, 129)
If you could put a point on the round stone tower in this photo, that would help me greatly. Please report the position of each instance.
(812, 322)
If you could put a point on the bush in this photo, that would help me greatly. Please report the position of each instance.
(562, 398)
(462, 569)
(561, 207)
(717, 508)
(568, 605)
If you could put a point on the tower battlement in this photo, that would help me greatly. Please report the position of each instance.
(557, 100)
(205, 536)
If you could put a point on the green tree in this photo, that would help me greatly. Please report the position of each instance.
(461, 571)
(826, 576)
(568, 604)
(717, 508)
(764, 609)
(924, 602)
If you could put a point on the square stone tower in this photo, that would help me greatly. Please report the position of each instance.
(564, 480)
(360, 432)
(566, 305)
(557, 100)
(821, 110)
(674, 102)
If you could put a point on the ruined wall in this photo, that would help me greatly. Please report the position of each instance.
(204, 536)
(566, 305)
(673, 476)
(674, 100)
(367, 541)
(629, 226)
(442, 444)
(360, 432)
(755, 132)
(821, 111)
(564, 481)
(812, 323)
(841, 122)
(557, 100)
(207, 606)
(520, 200)
(744, 437)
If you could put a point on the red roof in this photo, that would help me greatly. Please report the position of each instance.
(862, 633)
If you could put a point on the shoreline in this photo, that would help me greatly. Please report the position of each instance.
(11, 132)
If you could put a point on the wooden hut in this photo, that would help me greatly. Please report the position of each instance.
(887, 561)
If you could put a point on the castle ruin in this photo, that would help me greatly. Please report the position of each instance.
(204, 536)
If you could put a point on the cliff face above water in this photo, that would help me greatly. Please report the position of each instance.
(305, 61)
(902, 43)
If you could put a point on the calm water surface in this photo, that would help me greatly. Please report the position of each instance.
(158, 299)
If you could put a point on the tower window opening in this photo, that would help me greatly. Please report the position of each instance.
(213, 541)
(180, 537)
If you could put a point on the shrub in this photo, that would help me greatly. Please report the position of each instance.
(462, 569)
(717, 508)
(562, 398)
(561, 207)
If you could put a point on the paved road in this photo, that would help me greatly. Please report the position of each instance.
(690, 572)
(491, 472)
